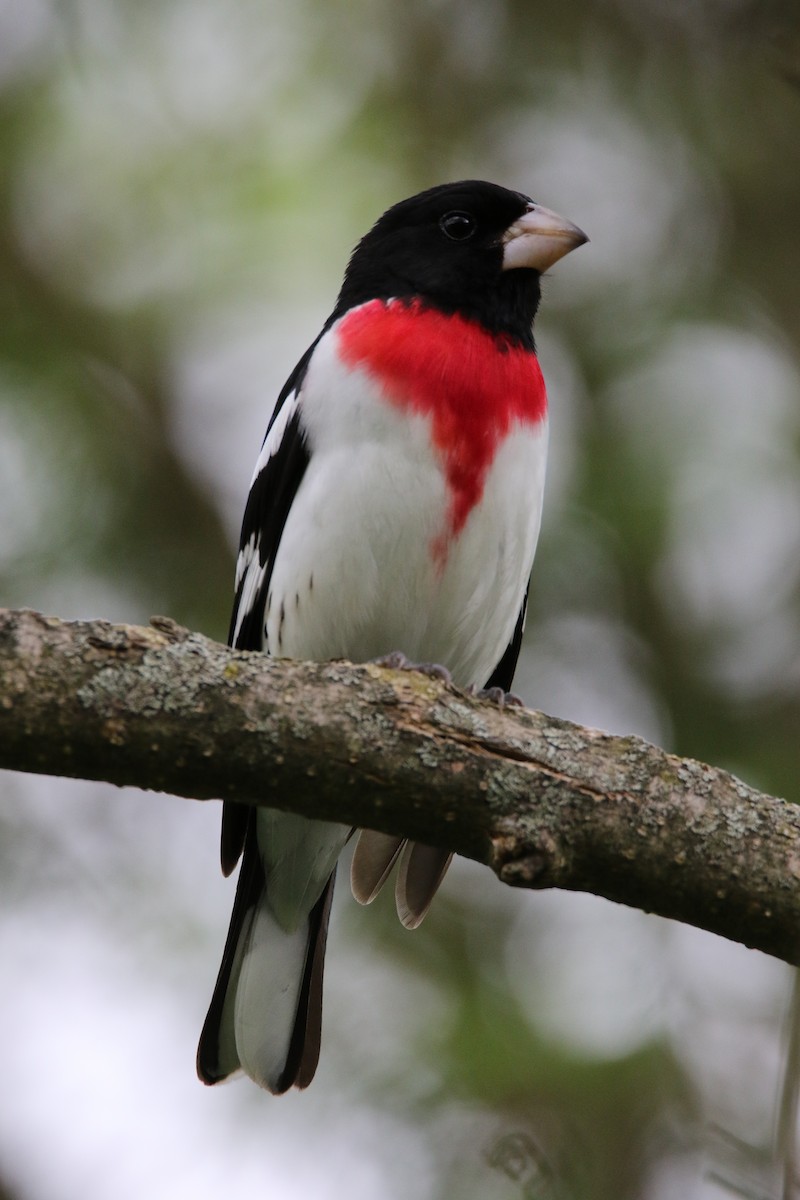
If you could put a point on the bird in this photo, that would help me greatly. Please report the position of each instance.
(395, 507)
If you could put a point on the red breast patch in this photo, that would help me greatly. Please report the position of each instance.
(473, 384)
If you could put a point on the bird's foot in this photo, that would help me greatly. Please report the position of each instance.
(497, 696)
(397, 661)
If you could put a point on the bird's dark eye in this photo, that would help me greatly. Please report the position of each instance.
(458, 226)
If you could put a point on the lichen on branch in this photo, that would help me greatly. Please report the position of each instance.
(543, 802)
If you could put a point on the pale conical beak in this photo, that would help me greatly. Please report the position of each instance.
(538, 239)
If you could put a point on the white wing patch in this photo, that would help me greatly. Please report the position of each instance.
(275, 434)
(250, 573)
(246, 556)
(253, 574)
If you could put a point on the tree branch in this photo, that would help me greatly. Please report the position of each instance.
(543, 802)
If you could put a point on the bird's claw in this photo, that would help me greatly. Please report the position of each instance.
(497, 696)
(397, 661)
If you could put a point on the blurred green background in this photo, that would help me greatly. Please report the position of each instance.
(180, 185)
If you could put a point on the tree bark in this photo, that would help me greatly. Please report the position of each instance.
(543, 802)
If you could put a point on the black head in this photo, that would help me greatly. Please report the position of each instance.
(451, 245)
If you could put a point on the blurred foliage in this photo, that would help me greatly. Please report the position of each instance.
(180, 184)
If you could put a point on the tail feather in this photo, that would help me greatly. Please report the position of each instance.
(301, 1063)
(265, 1014)
(235, 823)
(217, 1057)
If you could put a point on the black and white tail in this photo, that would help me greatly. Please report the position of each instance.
(265, 1015)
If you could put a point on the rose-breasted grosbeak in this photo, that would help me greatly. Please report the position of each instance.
(395, 505)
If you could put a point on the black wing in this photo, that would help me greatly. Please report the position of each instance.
(503, 674)
(279, 471)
